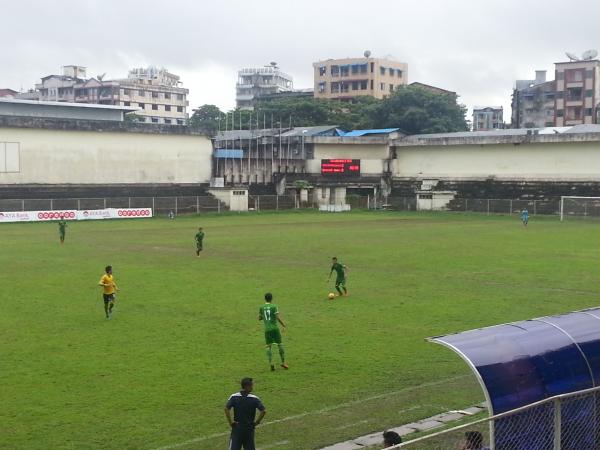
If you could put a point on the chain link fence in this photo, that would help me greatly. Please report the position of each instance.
(564, 422)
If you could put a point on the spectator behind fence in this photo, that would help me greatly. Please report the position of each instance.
(391, 438)
(473, 441)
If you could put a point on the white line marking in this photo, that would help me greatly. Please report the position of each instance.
(320, 411)
(276, 444)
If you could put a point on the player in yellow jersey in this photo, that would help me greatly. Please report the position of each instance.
(109, 288)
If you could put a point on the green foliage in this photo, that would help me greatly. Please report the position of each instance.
(416, 110)
(185, 330)
(207, 118)
(411, 108)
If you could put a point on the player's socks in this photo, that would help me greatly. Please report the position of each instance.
(272, 368)
(282, 354)
(270, 355)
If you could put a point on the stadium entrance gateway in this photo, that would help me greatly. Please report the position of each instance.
(521, 363)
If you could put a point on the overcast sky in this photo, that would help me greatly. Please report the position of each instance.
(474, 47)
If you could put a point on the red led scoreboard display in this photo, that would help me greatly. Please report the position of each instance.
(340, 167)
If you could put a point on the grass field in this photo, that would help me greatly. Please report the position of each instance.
(185, 329)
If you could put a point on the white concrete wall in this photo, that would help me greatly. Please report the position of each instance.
(351, 151)
(85, 157)
(548, 161)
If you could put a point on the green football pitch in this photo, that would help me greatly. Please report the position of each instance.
(185, 329)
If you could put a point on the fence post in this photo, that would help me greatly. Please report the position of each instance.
(153, 209)
(22, 205)
(557, 423)
(368, 201)
(466, 204)
(52, 205)
(511, 209)
(488, 206)
(78, 203)
(176, 210)
(104, 202)
(534, 206)
(258, 202)
(277, 202)
(129, 202)
(197, 204)
(218, 206)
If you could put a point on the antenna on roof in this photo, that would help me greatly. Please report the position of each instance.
(589, 55)
(572, 56)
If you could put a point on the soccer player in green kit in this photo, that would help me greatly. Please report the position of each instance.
(340, 279)
(62, 230)
(199, 239)
(269, 314)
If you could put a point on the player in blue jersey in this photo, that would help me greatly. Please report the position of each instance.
(525, 216)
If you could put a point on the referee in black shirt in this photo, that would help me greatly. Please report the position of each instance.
(244, 421)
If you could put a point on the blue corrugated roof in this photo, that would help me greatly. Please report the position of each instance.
(357, 133)
(229, 153)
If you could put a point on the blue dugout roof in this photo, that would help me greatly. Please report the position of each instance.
(358, 133)
(523, 362)
(229, 153)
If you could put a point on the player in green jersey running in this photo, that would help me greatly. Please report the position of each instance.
(269, 314)
(62, 230)
(199, 239)
(341, 271)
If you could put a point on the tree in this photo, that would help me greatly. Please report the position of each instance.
(207, 118)
(415, 110)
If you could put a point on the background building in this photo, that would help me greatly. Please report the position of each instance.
(488, 118)
(258, 82)
(533, 102)
(432, 89)
(7, 93)
(346, 79)
(155, 93)
(577, 92)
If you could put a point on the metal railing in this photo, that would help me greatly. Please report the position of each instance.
(563, 422)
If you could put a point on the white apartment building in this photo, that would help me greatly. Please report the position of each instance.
(254, 83)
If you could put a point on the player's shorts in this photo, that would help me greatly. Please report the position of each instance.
(199, 245)
(340, 282)
(108, 297)
(273, 337)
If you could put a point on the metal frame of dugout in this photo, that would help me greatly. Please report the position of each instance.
(521, 363)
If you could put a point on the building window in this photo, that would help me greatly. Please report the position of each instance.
(363, 68)
(155, 120)
(142, 105)
(589, 73)
(560, 75)
(322, 86)
(588, 111)
(399, 73)
(560, 95)
(179, 96)
(549, 124)
(549, 112)
(344, 87)
(574, 113)
(391, 88)
(155, 107)
(167, 96)
(574, 76)
(126, 103)
(180, 122)
(372, 84)
(126, 92)
(391, 72)
(372, 67)
(574, 94)
(167, 107)
(142, 93)
(560, 112)
(363, 85)
(155, 95)
(322, 71)
(344, 71)
(355, 85)
(589, 93)
(335, 71)
(168, 121)
(355, 69)
(382, 86)
(382, 70)
(180, 109)
(335, 87)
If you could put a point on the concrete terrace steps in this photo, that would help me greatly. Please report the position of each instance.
(430, 423)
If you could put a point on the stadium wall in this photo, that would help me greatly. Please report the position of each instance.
(102, 155)
(550, 162)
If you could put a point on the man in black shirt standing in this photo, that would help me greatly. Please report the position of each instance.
(244, 421)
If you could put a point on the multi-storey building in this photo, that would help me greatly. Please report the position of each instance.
(488, 118)
(156, 93)
(255, 83)
(577, 92)
(346, 79)
(533, 102)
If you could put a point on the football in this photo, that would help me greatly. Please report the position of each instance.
(331, 296)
